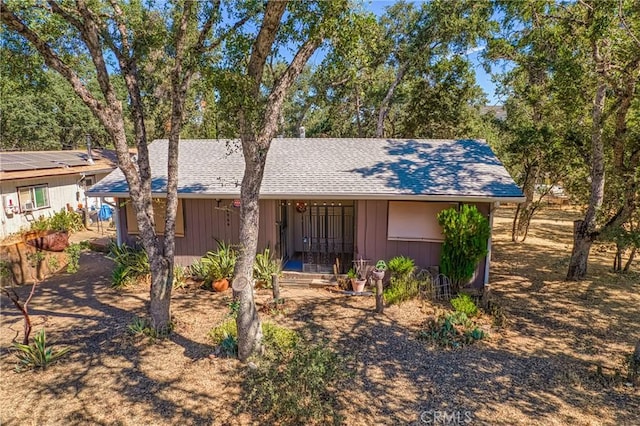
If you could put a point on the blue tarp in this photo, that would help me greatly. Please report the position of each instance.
(105, 212)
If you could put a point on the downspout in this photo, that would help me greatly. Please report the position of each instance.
(116, 219)
(487, 260)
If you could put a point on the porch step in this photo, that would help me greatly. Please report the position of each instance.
(306, 282)
(292, 275)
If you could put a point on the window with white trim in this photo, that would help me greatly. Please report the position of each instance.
(415, 220)
(33, 197)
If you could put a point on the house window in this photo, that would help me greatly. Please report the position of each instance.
(89, 181)
(33, 197)
(159, 208)
(415, 220)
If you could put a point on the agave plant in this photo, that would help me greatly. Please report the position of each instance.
(265, 266)
(38, 354)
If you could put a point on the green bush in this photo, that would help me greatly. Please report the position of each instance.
(221, 331)
(62, 221)
(465, 304)
(131, 264)
(401, 290)
(66, 221)
(297, 388)
(219, 264)
(276, 340)
(73, 257)
(466, 232)
(38, 354)
(179, 276)
(451, 331)
(198, 270)
(265, 266)
(401, 267)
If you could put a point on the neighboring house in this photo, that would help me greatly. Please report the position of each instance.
(325, 199)
(41, 183)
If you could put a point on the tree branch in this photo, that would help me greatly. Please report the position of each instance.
(52, 60)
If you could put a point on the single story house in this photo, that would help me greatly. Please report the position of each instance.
(325, 199)
(41, 183)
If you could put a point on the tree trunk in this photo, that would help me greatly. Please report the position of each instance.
(632, 256)
(580, 254)
(524, 212)
(249, 328)
(160, 304)
(386, 102)
(584, 231)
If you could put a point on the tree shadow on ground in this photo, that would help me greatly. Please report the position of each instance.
(402, 377)
(83, 313)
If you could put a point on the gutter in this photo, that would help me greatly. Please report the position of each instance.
(333, 196)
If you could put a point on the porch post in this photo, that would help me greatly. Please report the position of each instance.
(487, 260)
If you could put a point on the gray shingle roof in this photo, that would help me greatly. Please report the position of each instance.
(338, 168)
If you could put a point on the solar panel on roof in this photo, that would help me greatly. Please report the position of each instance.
(41, 160)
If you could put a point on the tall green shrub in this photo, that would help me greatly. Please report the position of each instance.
(466, 232)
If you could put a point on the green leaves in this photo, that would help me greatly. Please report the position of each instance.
(38, 354)
(466, 232)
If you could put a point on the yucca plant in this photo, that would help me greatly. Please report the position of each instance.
(265, 266)
(38, 354)
(220, 263)
(131, 263)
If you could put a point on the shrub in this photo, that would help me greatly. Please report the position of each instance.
(38, 354)
(451, 331)
(73, 257)
(221, 331)
(277, 340)
(219, 264)
(401, 267)
(131, 263)
(404, 285)
(265, 266)
(179, 276)
(465, 304)
(142, 327)
(198, 270)
(297, 388)
(62, 221)
(66, 221)
(401, 290)
(466, 233)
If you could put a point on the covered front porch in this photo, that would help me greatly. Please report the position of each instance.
(315, 235)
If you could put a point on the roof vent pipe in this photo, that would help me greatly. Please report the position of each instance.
(301, 132)
(89, 155)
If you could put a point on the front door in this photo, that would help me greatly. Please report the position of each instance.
(328, 237)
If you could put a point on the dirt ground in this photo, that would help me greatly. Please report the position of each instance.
(541, 368)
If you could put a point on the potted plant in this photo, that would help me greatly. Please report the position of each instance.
(352, 276)
(220, 265)
(359, 281)
(379, 271)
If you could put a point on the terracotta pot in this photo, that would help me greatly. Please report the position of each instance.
(54, 241)
(358, 285)
(221, 285)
